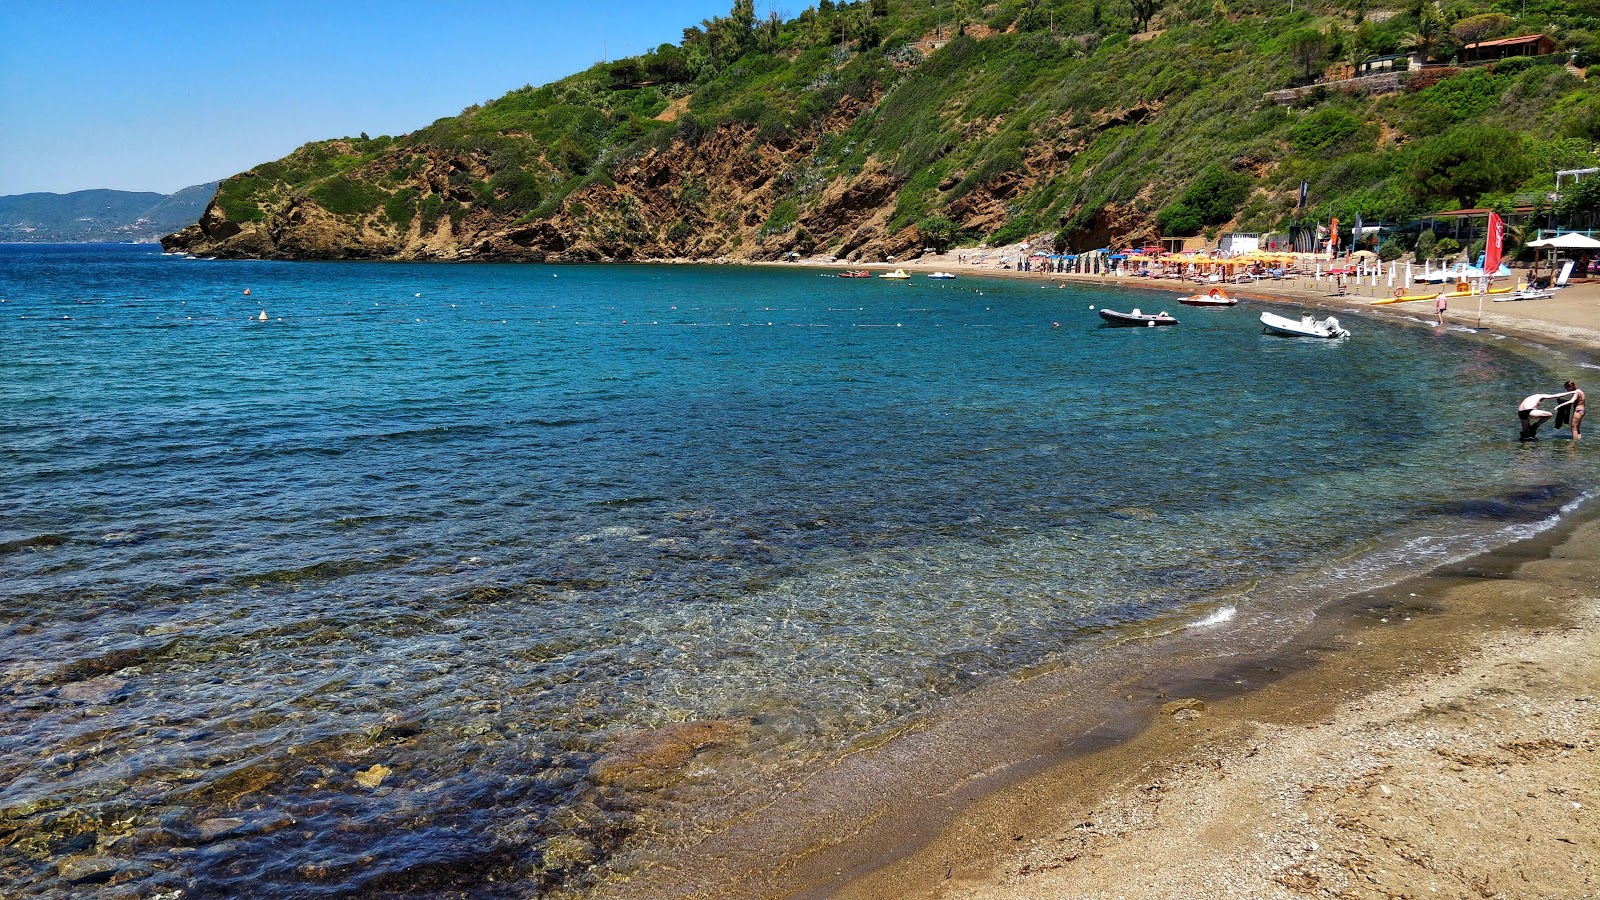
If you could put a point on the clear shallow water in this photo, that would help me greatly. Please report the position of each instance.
(476, 524)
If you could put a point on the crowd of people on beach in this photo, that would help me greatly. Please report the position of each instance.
(1568, 411)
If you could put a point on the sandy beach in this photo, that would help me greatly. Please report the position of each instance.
(1435, 738)
(1447, 754)
(1571, 317)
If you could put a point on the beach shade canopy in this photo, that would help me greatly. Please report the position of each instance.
(1368, 254)
(1569, 241)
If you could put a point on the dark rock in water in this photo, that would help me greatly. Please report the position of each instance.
(655, 759)
(87, 869)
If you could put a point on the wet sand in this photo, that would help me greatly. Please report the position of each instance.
(1444, 750)
(1435, 738)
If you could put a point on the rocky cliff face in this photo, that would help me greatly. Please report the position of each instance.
(718, 197)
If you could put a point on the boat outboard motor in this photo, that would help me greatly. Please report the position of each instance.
(1332, 325)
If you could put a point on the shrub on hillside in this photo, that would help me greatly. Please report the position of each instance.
(1210, 199)
(345, 196)
(1323, 129)
(1467, 163)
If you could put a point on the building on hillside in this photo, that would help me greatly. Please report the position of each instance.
(1504, 48)
(1572, 175)
(1399, 62)
(1239, 242)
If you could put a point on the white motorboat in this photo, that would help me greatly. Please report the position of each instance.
(1305, 326)
(1526, 294)
(941, 275)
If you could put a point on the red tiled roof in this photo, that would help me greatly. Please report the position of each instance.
(1506, 42)
(1474, 213)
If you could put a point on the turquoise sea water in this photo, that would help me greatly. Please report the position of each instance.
(476, 524)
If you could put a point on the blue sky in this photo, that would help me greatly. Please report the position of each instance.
(152, 97)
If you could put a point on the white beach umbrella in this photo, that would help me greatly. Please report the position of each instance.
(1569, 241)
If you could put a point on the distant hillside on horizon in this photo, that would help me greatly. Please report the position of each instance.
(99, 216)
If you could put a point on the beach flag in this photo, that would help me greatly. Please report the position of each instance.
(1493, 244)
(1304, 187)
(1333, 237)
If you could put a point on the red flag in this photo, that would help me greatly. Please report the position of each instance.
(1334, 227)
(1493, 244)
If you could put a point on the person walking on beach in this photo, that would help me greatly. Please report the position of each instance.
(1440, 304)
(1571, 410)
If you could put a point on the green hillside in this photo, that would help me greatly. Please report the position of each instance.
(889, 124)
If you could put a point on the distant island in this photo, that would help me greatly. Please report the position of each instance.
(99, 216)
(871, 130)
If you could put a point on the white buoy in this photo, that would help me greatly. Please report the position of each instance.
(263, 316)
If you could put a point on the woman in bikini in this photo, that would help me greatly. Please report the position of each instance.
(1573, 408)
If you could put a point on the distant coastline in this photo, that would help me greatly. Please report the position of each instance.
(100, 216)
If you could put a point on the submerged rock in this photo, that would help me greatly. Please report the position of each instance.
(87, 869)
(211, 829)
(94, 690)
(1184, 710)
(371, 778)
(654, 759)
(564, 851)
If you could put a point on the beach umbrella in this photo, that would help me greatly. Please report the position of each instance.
(1569, 241)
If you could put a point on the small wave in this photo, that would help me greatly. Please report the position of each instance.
(1432, 551)
(1224, 614)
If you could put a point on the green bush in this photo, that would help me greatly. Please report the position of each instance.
(783, 216)
(402, 207)
(345, 196)
(238, 198)
(1448, 247)
(1390, 250)
(429, 208)
(1323, 129)
(1467, 163)
(1210, 199)
(1427, 245)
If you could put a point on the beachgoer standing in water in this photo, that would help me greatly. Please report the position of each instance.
(1573, 409)
(1440, 304)
(1531, 416)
